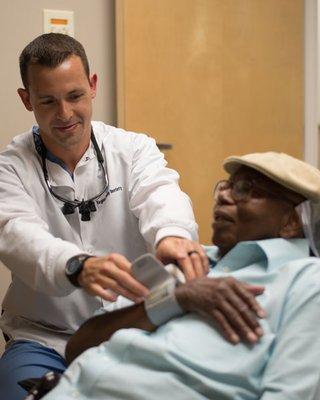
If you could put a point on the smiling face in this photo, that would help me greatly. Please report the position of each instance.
(262, 216)
(61, 99)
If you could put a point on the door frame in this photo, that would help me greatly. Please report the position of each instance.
(311, 90)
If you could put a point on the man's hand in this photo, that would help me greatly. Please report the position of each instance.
(189, 256)
(111, 272)
(229, 303)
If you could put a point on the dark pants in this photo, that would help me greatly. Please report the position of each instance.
(23, 360)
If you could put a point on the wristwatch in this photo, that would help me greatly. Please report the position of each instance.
(74, 266)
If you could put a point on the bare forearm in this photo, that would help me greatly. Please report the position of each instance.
(100, 328)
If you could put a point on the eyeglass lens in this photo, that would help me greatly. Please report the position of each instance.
(240, 190)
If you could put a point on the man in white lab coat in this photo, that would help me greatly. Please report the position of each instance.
(79, 200)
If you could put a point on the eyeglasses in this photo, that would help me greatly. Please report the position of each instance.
(244, 189)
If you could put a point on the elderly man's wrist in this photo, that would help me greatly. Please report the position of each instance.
(182, 294)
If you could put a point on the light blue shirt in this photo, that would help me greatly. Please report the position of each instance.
(188, 359)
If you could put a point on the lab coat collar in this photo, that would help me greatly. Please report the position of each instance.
(54, 164)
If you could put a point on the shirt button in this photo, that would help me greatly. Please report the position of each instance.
(75, 394)
(226, 269)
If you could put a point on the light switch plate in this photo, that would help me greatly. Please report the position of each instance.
(58, 21)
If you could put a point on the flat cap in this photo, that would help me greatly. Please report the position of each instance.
(288, 171)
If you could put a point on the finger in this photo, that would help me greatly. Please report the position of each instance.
(196, 264)
(105, 282)
(126, 293)
(96, 290)
(224, 326)
(186, 265)
(248, 315)
(119, 289)
(254, 289)
(203, 258)
(242, 307)
(249, 299)
(109, 290)
(113, 278)
(238, 323)
(120, 261)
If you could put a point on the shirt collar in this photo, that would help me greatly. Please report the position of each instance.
(279, 251)
(88, 155)
(271, 252)
(49, 156)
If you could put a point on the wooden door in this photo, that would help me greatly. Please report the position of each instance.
(213, 78)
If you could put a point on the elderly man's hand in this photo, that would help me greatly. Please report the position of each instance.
(110, 276)
(189, 256)
(229, 303)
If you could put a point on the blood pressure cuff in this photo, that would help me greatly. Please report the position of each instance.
(161, 304)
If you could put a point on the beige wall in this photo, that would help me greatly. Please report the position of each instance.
(21, 21)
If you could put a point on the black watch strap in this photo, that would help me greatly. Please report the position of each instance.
(74, 267)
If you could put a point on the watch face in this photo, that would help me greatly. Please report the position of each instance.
(73, 266)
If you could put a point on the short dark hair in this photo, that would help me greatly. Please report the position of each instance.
(50, 50)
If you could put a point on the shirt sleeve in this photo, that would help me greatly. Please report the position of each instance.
(155, 196)
(293, 370)
(27, 248)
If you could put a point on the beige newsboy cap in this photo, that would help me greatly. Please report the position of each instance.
(290, 172)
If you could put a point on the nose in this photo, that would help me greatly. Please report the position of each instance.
(64, 111)
(224, 196)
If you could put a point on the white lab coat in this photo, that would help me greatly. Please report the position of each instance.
(144, 204)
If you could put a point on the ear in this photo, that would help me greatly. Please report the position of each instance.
(292, 227)
(93, 85)
(25, 98)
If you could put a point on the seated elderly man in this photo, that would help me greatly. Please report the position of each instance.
(258, 239)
